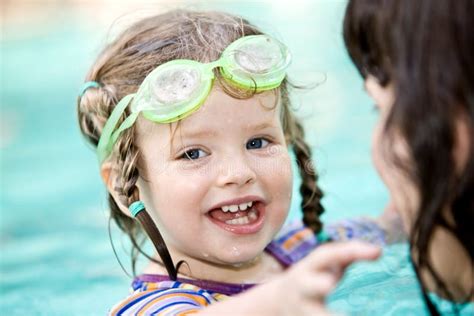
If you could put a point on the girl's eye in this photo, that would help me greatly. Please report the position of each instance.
(193, 154)
(257, 143)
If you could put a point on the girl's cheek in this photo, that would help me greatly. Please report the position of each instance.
(286, 175)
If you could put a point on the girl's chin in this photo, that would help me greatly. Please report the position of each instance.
(235, 259)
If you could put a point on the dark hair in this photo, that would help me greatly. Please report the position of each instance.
(121, 68)
(424, 48)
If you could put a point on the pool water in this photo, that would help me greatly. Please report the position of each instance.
(55, 254)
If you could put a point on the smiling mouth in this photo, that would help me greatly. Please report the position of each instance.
(243, 218)
(243, 214)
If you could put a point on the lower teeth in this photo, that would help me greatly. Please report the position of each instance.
(251, 216)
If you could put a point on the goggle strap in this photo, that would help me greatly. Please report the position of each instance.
(127, 123)
(216, 63)
(104, 147)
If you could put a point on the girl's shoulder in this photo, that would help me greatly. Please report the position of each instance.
(172, 297)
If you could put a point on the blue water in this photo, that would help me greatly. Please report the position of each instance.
(55, 255)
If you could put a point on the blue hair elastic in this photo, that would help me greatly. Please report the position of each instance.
(323, 236)
(87, 85)
(136, 207)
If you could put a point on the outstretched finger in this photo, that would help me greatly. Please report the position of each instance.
(337, 256)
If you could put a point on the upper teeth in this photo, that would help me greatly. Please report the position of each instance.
(236, 207)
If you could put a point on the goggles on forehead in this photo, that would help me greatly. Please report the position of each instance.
(177, 88)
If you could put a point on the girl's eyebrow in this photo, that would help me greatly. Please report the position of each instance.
(260, 126)
(204, 133)
(198, 133)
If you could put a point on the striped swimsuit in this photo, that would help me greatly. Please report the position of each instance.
(158, 295)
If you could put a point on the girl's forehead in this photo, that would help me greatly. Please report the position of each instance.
(220, 104)
(221, 111)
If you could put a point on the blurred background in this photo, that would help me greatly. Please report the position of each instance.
(55, 254)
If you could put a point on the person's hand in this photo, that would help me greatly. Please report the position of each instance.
(302, 289)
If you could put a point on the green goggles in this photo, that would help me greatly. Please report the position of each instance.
(177, 88)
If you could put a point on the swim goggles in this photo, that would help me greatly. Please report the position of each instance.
(178, 88)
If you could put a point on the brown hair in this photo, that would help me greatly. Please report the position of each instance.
(121, 68)
(424, 48)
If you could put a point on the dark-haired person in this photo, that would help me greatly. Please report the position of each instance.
(416, 57)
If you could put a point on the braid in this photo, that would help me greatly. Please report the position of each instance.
(129, 178)
(310, 192)
(94, 107)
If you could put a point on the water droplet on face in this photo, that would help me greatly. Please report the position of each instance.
(235, 251)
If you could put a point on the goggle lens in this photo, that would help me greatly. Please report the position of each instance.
(175, 85)
(258, 57)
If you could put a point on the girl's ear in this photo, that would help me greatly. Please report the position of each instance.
(110, 175)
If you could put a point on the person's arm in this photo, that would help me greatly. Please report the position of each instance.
(302, 289)
(391, 222)
(383, 230)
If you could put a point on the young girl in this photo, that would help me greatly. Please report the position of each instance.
(192, 122)
(416, 59)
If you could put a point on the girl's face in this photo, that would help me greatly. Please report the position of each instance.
(403, 194)
(218, 183)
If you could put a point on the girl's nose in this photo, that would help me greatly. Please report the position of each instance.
(236, 172)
